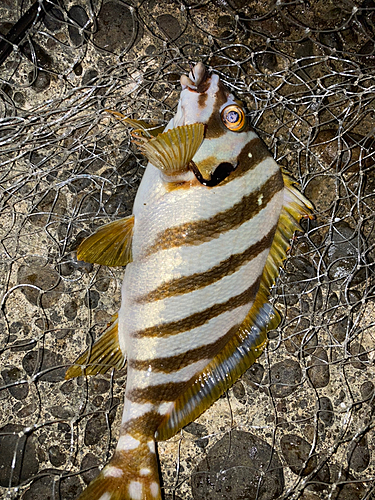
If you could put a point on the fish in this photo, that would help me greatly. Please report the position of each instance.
(211, 226)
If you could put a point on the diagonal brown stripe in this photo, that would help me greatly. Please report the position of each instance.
(215, 126)
(195, 281)
(142, 427)
(195, 233)
(202, 317)
(158, 393)
(174, 363)
(250, 156)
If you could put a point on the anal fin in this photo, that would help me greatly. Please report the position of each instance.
(110, 245)
(103, 355)
(221, 373)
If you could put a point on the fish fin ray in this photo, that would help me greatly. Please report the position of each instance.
(228, 365)
(105, 488)
(110, 245)
(248, 342)
(127, 477)
(103, 355)
(147, 129)
(172, 151)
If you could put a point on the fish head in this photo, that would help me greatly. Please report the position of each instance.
(205, 99)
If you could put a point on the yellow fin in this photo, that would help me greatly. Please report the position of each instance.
(131, 474)
(248, 342)
(295, 207)
(110, 245)
(172, 151)
(148, 129)
(103, 355)
(237, 356)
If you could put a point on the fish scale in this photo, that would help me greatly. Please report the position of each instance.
(211, 225)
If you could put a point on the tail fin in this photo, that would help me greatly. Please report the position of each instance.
(131, 474)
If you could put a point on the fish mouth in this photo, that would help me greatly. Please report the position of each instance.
(199, 79)
(222, 171)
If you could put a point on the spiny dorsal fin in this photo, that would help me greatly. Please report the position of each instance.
(172, 151)
(110, 245)
(103, 355)
(148, 130)
(248, 342)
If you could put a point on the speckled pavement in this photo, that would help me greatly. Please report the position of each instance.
(300, 423)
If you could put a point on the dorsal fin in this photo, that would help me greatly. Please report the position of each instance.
(110, 245)
(170, 151)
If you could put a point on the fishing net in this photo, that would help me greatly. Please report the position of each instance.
(300, 422)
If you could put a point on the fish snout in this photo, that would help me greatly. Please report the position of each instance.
(197, 79)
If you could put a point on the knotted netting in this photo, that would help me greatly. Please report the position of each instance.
(300, 422)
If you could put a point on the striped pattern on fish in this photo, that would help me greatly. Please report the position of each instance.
(211, 224)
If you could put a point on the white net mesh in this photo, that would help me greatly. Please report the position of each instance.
(299, 424)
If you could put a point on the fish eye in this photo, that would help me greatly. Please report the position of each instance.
(233, 118)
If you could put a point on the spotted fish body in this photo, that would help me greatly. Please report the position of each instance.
(211, 225)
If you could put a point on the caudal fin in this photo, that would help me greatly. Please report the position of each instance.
(132, 474)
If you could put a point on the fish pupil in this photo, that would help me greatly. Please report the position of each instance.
(232, 117)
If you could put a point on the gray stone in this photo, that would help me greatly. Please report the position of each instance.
(14, 442)
(116, 27)
(253, 376)
(80, 18)
(11, 376)
(285, 378)
(89, 465)
(325, 411)
(44, 278)
(52, 19)
(169, 25)
(96, 427)
(298, 456)
(56, 457)
(70, 310)
(239, 466)
(318, 368)
(359, 455)
(48, 364)
(92, 299)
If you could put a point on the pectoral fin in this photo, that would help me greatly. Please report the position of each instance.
(172, 151)
(110, 245)
(104, 355)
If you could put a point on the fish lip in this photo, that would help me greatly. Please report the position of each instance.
(198, 89)
(222, 171)
(198, 73)
(198, 81)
